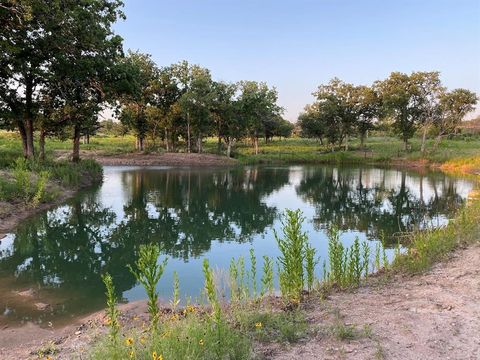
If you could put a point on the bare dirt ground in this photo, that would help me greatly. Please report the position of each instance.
(11, 215)
(431, 316)
(153, 159)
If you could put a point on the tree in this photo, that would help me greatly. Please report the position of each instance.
(196, 104)
(311, 124)
(366, 110)
(142, 73)
(283, 128)
(84, 71)
(430, 88)
(402, 102)
(225, 114)
(337, 101)
(48, 53)
(257, 105)
(27, 44)
(165, 95)
(453, 106)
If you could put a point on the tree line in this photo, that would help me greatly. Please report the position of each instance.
(403, 103)
(61, 64)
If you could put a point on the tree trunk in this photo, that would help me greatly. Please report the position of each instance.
(219, 143)
(229, 147)
(167, 147)
(76, 144)
(199, 144)
(405, 144)
(189, 144)
(30, 153)
(41, 144)
(362, 140)
(346, 142)
(140, 143)
(23, 134)
(424, 139)
(255, 142)
(29, 138)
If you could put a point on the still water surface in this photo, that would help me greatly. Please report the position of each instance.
(50, 266)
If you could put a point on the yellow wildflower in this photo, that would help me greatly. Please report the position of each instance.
(142, 340)
(155, 357)
(258, 325)
(201, 342)
(129, 341)
(132, 354)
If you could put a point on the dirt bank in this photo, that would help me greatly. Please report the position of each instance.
(430, 316)
(153, 159)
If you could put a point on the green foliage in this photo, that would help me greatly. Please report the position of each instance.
(253, 272)
(295, 249)
(176, 291)
(349, 265)
(267, 276)
(40, 190)
(310, 263)
(148, 273)
(268, 326)
(429, 246)
(112, 311)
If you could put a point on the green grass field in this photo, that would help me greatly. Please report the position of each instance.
(379, 149)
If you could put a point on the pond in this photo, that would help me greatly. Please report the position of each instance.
(50, 266)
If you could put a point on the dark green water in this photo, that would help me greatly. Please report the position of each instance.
(50, 266)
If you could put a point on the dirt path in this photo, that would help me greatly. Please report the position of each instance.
(432, 316)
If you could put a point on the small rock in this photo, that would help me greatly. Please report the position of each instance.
(41, 306)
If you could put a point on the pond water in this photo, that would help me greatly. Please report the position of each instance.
(50, 266)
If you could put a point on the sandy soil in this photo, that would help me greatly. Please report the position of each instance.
(430, 316)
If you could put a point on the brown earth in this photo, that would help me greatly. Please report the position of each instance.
(154, 159)
(430, 316)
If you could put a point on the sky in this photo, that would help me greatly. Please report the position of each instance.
(296, 45)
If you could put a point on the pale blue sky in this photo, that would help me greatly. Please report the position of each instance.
(296, 45)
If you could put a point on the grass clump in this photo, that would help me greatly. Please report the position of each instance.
(268, 326)
(148, 273)
(349, 265)
(429, 246)
(297, 260)
(26, 185)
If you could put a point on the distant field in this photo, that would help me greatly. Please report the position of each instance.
(293, 150)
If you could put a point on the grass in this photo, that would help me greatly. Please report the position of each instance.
(379, 149)
(430, 246)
